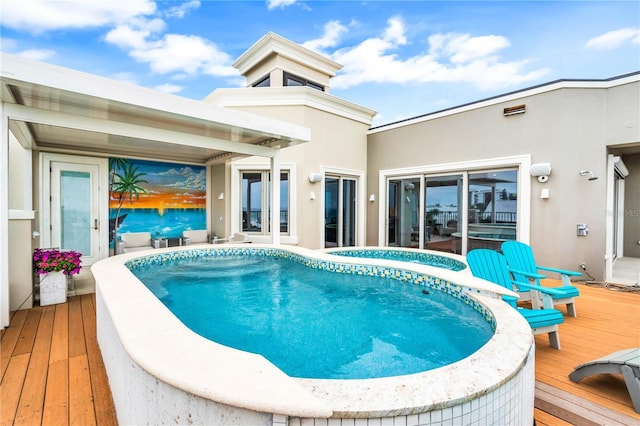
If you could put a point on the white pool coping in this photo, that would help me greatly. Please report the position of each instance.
(166, 349)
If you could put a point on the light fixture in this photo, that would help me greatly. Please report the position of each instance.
(541, 171)
(587, 172)
(221, 196)
(312, 195)
(372, 198)
(409, 186)
(315, 177)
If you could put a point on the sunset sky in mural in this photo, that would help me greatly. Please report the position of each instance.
(167, 186)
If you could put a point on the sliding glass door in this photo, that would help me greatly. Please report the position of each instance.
(340, 211)
(456, 213)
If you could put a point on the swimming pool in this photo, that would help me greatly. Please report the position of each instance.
(160, 371)
(324, 324)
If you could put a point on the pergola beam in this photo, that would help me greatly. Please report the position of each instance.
(60, 119)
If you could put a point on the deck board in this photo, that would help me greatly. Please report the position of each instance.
(49, 349)
(32, 397)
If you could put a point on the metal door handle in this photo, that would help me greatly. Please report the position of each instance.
(95, 223)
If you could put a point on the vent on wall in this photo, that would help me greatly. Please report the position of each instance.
(518, 109)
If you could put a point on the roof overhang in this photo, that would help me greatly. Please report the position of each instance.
(62, 110)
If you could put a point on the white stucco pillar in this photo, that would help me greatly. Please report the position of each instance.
(4, 218)
(275, 198)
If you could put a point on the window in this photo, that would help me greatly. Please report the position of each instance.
(265, 82)
(453, 210)
(255, 201)
(294, 80)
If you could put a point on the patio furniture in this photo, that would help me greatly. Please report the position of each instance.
(195, 236)
(136, 241)
(492, 266)
(523, 267)
(240, 238)
(625, 362)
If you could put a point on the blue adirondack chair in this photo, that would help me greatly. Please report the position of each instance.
(492, 266)
(523, 267)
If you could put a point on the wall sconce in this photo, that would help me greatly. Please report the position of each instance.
(587, 172)
(541, 171)
(372, 198)
(315, 177)
(312, 195)
(221, 196)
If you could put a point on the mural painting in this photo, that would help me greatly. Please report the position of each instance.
(162, 198)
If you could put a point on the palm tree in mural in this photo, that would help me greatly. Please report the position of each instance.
(125, 186)
(115, 164)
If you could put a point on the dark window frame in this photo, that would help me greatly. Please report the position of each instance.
(286, 77)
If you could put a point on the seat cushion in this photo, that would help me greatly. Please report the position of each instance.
(136, 239)
(196, 236)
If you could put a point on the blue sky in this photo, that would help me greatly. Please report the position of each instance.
(401, 59)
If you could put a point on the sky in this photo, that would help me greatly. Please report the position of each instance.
(400, 58)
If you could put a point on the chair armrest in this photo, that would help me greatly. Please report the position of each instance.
(155, 243)
(560, 271)
(544, 290)
(185, 241)
(528, 274)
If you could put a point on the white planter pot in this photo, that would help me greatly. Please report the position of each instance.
(53, 288)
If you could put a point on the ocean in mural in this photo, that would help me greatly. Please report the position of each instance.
(170, 198)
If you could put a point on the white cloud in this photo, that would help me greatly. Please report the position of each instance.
(182, 9)
(273, 4)
(461, 48)
(460, 58)
(614, 39)
(333, 30)
(169, 88)
(37, 16)
(173, 52)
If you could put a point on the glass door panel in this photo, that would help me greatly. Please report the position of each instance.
(443, 213)
(75, 209)
(493, 209)
(348, 212)
(331, 208)
(403, 220)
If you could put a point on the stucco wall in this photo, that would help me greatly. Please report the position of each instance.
(336, 142)
(567, 128)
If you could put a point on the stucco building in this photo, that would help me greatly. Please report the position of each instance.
(284, 150)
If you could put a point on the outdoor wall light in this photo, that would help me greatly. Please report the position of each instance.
(315, 177)
(221, 196)
(372, 198)
(587, 172)
(541, 171)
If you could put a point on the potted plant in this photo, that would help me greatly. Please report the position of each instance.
(54, 268)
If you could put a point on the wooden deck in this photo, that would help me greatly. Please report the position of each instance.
(52, 371)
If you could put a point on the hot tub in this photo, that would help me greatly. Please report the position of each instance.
(162, 372)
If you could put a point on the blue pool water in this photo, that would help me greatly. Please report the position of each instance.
(314, 323)
(424, 258)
